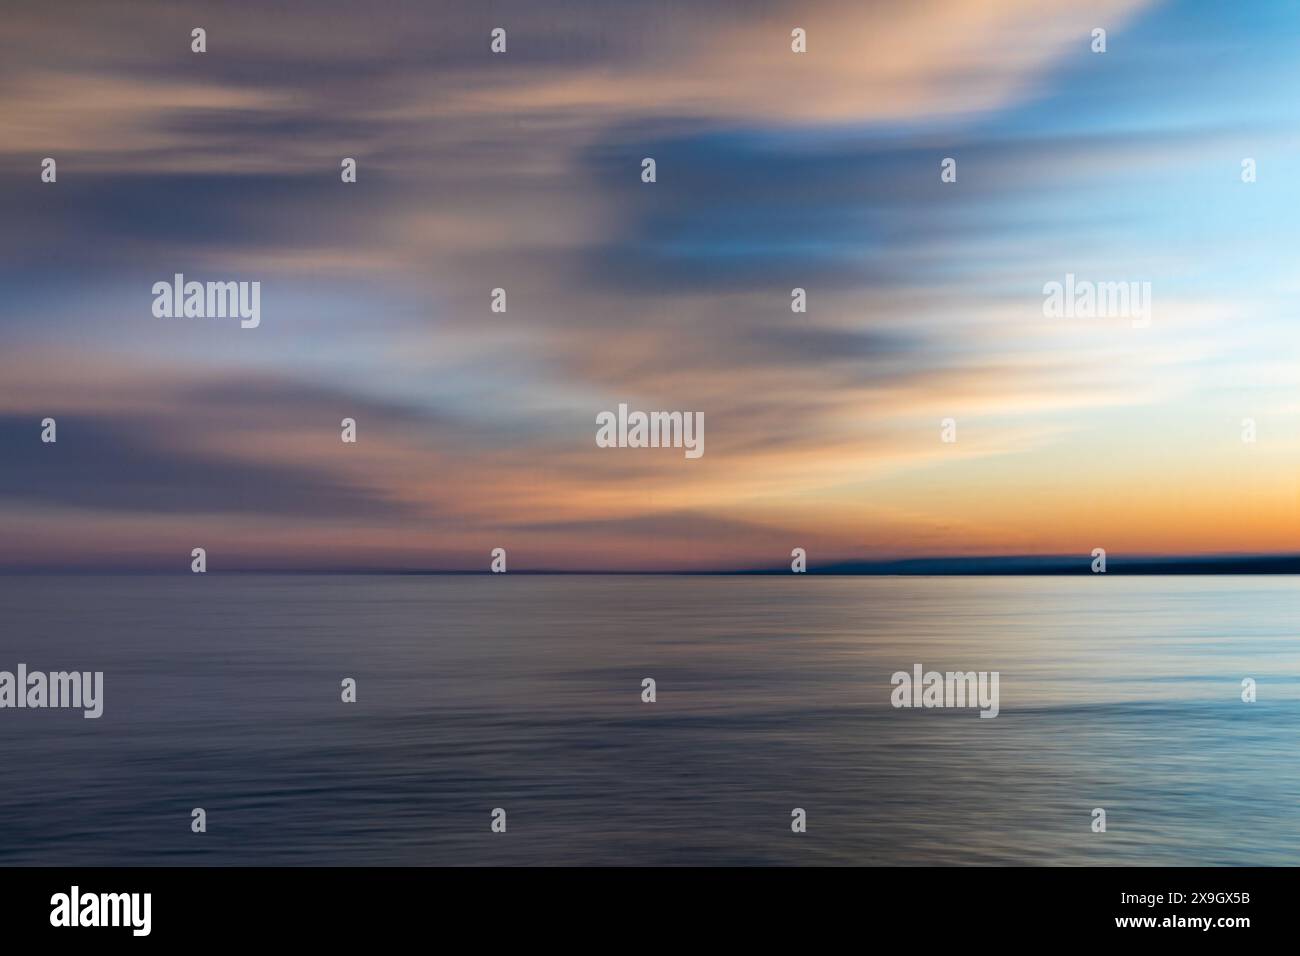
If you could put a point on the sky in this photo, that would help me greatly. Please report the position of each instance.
(522, 170)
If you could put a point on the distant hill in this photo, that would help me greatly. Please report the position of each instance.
(1063, 564)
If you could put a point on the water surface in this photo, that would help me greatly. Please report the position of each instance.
(475, 692)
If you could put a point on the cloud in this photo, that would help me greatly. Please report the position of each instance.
(280, 86)
(776, 170)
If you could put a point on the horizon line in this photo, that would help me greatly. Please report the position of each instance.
(966, 566)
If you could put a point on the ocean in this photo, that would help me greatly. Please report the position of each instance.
(524, 693)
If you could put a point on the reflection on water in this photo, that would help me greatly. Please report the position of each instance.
(773, 693)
